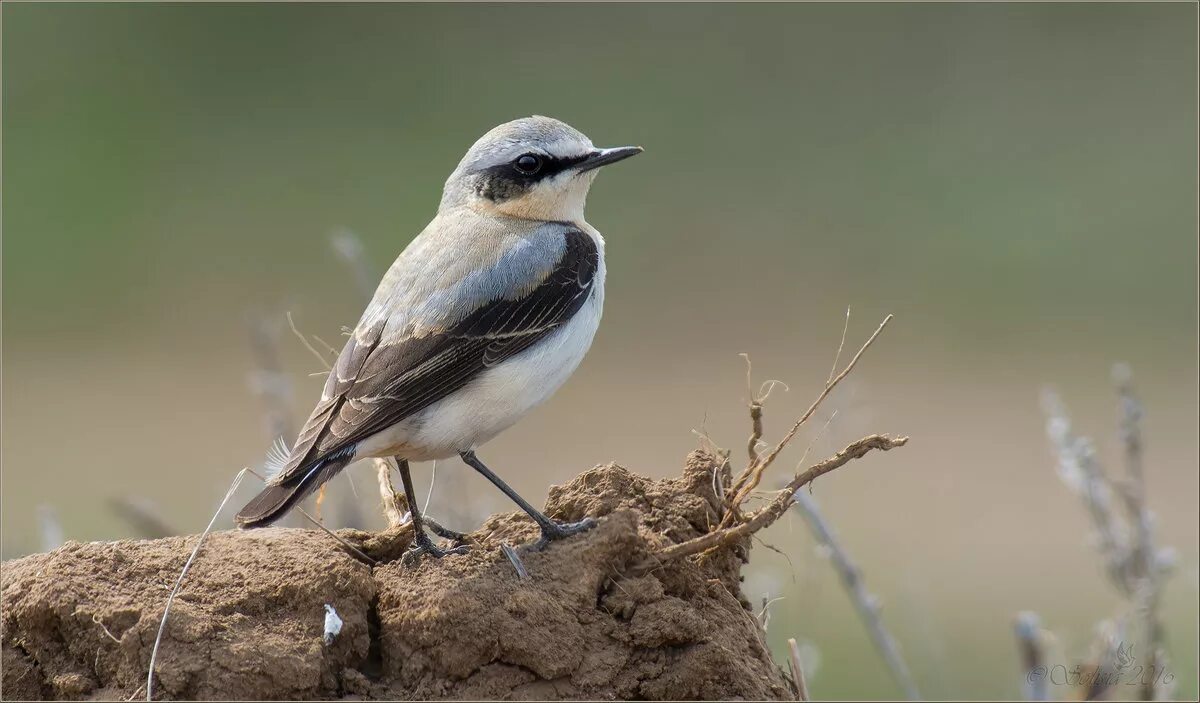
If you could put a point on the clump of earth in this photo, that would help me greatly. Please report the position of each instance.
(590, 621)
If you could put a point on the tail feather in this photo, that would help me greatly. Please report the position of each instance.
(274, 501)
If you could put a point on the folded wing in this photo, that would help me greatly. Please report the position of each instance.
(378, 381)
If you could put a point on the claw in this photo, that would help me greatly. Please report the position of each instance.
(559, 530)
(426, 546)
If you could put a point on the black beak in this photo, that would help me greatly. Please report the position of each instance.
(603, 157)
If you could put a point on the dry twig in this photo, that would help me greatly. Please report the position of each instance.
(1145, 571)
(756, 401)
(764, 615)
(96, 619)
(515, 560)
(729, 533)
(865, 603)
(395, 506)
(1134, 564)
(797, 667)
(162, 625)
(317, 523)
(736, 527)
(1081, 472)
(841, 345)
(756, 424)
(325, 362)
(752, 475)
(781, 501)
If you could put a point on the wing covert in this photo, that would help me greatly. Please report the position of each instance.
(378, 382)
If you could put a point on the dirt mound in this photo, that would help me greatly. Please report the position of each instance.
(80, 622)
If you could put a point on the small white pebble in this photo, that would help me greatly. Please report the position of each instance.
(333, 624)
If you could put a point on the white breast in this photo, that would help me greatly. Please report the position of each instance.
(498, 397)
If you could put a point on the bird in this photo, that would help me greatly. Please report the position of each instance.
(482, 317)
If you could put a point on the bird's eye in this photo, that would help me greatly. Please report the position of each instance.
(528, 164)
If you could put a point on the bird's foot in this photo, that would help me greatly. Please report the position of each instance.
(426, 546)
(558, 530)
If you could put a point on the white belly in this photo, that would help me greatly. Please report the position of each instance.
(495, 399)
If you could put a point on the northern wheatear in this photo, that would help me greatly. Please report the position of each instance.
(482, 317)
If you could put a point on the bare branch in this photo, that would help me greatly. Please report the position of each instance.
(780, 503)
(752, 476)
(1134, 486)
(1133, 562)
(865, 603)
(1143, 566)
(1080, 471)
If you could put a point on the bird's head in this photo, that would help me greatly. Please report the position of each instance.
(535, 168)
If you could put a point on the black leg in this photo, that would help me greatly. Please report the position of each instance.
(551, 530)
(424, 544)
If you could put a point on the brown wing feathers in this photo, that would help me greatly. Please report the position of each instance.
(375, 385)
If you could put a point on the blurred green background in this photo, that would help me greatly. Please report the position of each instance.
(1017, 183)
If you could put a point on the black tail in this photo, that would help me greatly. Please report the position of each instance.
(276, 500)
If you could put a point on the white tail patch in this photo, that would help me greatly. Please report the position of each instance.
(277, 458)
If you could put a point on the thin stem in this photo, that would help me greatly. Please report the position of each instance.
(865, 603)
(779, 504)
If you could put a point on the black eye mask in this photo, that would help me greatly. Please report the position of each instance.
(513, 179)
